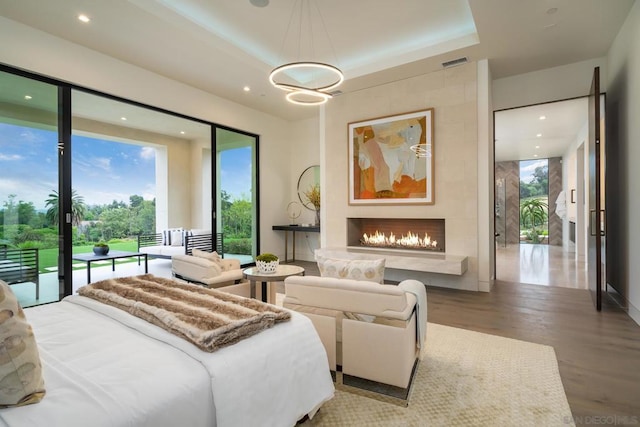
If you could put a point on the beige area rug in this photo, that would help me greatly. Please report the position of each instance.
(466, 378)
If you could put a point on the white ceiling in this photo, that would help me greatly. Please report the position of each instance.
(517, 130)
(220, 46)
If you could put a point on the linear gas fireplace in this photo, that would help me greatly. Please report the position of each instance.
(391, 233)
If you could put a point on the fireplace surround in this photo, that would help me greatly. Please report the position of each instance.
(419, 234)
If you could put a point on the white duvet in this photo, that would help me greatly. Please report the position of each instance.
(104, 367)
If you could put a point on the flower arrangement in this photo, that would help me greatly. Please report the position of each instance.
(313, 194)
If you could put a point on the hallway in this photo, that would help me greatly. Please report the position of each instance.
(546, 265)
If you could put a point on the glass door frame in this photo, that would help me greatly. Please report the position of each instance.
(256, 179)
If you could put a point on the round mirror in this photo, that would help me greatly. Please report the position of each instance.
(309, 178)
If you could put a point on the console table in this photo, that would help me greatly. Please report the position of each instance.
(293, 229)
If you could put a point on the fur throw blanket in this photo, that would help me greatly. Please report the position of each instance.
(208, 318)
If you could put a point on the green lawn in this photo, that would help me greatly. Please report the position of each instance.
(49, 257)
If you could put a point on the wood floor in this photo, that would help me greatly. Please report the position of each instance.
(598, 353)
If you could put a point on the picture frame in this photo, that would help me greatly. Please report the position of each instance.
(384, 169)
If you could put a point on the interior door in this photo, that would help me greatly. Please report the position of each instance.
(596, 221)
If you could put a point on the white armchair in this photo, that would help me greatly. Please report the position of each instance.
(207, 268)
(373, 331)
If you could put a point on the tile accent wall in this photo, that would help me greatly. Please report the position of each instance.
(453, 95)
(555, 187)
(510, 172)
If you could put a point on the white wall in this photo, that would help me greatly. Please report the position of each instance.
(304, 152)
(200, 183)
(551, 84)
(486, 180)
(42, 53)
(623, 173)
(573, 177)
(453, 93)
(569, 183)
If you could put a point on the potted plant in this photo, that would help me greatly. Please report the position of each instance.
(101, 248)
(267, 262)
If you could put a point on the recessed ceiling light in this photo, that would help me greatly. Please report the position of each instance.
(123, 118)
(84, 18)
(539, 135)
(246, 88)
(535, 155)
(537, 146)
(27, 97)
(543, 117)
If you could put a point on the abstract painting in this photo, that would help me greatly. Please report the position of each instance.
(391, 159)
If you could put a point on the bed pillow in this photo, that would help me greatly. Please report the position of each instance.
(21, 381)
(357, 269)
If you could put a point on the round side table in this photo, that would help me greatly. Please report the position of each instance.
(281, 273)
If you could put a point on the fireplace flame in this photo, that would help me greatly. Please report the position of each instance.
(410, 241)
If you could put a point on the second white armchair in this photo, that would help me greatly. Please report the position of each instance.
(207, 268)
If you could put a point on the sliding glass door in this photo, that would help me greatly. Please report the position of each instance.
(78, 167)
(136, 172)
(29, 176)
(237, 193)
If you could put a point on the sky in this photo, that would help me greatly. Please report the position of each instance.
(235, 172)
(102, 171)
(527, 167)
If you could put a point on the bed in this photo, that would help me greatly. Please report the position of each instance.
(105, 367)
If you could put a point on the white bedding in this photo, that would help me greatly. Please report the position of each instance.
(103, 367)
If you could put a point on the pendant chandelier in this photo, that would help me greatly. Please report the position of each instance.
(307, 82)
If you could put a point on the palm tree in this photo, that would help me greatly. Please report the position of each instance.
(533, 212)
(78, 208)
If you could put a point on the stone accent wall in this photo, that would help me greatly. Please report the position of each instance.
(510, 172)
(555, 187)
(452, 93)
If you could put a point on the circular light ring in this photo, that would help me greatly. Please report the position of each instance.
(294, 65)
(321, 96)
